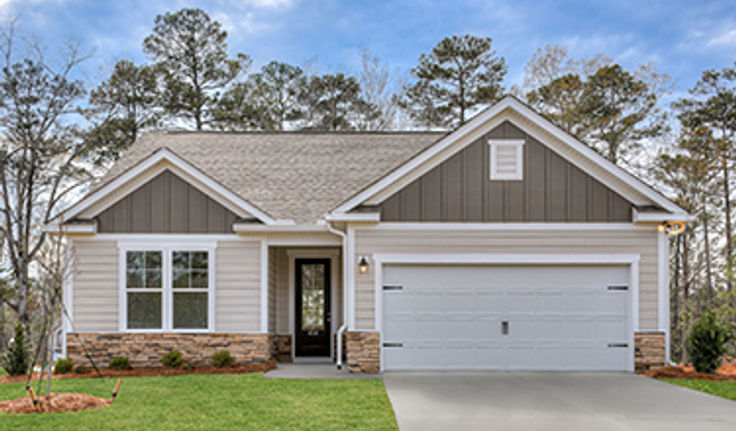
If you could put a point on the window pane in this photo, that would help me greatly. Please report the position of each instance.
(313, 296)
(143, 269)
(144, 310)
(190, 310)
(189, 269)
(134, 278)
(199, 259)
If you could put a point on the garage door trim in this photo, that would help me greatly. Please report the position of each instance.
(510, 259)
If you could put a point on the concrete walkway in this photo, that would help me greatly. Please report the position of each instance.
(551, 401)
(312, 371)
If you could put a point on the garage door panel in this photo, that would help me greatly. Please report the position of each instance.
(559, 316)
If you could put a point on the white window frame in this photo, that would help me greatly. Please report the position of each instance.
(167, 291)
(519, 174)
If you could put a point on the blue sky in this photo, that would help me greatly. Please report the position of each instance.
(682, 37)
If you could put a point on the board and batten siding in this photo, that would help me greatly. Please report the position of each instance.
(95, 289)
(643, 242)
(238, 286)
(166, 204)
(95, 286)
(460, 189)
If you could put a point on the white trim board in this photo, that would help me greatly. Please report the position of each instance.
(451, 226)
(624, 183)
(159, 161)
(632, 260)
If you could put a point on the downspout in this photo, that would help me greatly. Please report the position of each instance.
(344, 326)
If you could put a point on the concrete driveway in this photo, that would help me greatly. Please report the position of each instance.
(551, 401)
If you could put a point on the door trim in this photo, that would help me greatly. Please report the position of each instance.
(314, 253)
(632, 260)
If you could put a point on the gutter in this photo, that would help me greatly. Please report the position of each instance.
(341, 330)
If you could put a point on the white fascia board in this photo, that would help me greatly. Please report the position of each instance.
(638, 216)
(242, 228)
(357, 217)
(71, 229)
(165, 154)
(469, 131)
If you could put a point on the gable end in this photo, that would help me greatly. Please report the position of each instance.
(551, 189)
(166, 204)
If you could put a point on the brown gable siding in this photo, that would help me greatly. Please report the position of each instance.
(166, 204)
(460, 189)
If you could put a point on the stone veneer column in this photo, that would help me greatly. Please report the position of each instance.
(146, 350)
(282, 347)
(363, 352)
(649, 350)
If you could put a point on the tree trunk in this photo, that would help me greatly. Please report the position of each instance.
(727, 210)
(708, 265)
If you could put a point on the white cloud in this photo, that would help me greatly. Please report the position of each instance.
(725, 39)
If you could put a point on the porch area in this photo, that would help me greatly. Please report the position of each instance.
(305, 303)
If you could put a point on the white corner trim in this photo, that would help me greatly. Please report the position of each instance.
(264, 286)
(350, 269)
(355, 217)
(468, 133)
(663, 289)
(632, 260)
(203, 182)
(493, 159)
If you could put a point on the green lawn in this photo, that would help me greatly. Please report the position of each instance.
(721, 389)
(216, 402)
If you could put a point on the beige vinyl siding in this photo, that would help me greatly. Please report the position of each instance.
(238, 286)
(95, 286)
(642, 242)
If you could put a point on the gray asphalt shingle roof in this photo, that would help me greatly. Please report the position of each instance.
(289, 175)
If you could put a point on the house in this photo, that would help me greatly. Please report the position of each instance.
(505, 244)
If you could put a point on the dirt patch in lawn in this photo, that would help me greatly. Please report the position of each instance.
(157, 371)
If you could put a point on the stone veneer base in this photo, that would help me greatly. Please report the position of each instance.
(147, 349)
(363, 352)
(649, 350)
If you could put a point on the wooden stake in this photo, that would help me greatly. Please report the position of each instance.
(34, 400)
(115, 391)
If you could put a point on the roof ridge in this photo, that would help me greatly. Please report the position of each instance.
(300, 132)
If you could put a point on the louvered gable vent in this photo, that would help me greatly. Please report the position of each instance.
(507, 157)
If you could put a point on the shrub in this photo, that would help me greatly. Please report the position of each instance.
(82, 369)
(173, 359)
(63, 366)
(222, 359)
(16, 359)
(119, 363)
(706, 343)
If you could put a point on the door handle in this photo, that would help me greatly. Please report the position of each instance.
(504, 327)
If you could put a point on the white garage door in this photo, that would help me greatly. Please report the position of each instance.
(506, 317)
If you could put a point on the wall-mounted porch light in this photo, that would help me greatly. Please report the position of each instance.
(672, 228)
(363, 265)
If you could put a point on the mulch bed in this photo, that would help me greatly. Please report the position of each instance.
(156, 371)
(67, 402)
(724, 373)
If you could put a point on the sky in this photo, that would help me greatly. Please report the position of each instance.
(682, 37)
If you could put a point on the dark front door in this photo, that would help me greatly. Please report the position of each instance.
(312, 307)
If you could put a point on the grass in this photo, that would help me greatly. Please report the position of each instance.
(725, 390)
(221, 402)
